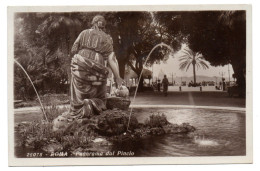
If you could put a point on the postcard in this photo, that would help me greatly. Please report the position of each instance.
(128, 85)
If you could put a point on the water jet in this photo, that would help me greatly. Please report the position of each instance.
(158, 45)
(33, 88)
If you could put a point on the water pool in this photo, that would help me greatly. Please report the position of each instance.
(219, 133)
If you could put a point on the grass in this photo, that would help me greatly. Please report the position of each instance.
(58, 99)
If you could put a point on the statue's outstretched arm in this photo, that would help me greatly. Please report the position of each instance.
(115, 68)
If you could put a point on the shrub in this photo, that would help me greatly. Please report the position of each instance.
(38, 134)
(53, 111)
(51, 108)
(156, 120)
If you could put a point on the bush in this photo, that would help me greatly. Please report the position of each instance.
(54, 111)
(156, 120)
(51, 108)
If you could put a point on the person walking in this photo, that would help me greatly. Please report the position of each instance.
(165, 84)
(159, 86)
(224, 84)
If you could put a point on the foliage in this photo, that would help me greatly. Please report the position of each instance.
(53, 111)
(139, 33)
(38, 134)
(31, 51)
(51, 108)
(219, 35)
(156, 120)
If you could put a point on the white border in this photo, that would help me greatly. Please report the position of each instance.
(135, 160)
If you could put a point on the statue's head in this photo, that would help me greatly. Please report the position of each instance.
(99, 21)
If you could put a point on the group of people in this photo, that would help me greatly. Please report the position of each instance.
(222, 85)
(164, 84)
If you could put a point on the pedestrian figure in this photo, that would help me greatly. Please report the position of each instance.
(165, 84)
(224, 84)
(159, 86)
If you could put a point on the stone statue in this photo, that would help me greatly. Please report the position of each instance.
(92, 50)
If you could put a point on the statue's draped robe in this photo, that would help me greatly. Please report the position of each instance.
(88, 73)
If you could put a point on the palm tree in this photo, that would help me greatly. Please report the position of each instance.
(192, 58)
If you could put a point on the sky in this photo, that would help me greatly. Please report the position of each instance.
(171, 66)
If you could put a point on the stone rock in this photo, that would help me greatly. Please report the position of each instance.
(60, 123)
(157, 131)
(53, 147)
(117, 102)
(175, 129)
(30, 142)
(108, 123)
(97, 147)
(99, 140)
(144, 131)
(114, 122)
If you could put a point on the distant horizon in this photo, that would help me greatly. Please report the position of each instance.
(198, 78)
(171, 66)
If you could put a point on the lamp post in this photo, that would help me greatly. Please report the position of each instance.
(172, 78)
(228, 74)
(152, 73)
(222, 74)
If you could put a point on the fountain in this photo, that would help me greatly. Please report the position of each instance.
(158, 45)
(205, 142)
(121, 130)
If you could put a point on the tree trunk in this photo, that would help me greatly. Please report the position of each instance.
(239, 70)
(194, 74)
(121, 64)
(138, 69)
(65, 51)
(141, 84)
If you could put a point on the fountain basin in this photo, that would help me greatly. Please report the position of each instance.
(218, 133)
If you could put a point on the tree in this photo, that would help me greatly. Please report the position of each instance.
(219, 35)
(221, 38)
(192, 58)
(46, 40)
(59, 30)
(41, 51)
(135, 35)
(28, 51)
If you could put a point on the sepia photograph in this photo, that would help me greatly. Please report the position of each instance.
(129, 85)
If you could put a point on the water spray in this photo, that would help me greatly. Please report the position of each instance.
(33, 88)
(158, 45)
